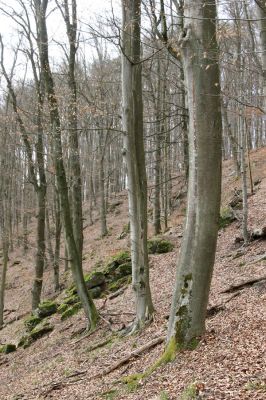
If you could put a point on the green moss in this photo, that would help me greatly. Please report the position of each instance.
(167, 356)
(62, 308)
(159, 246)
(71, 310)
(164, 396)
(95, 292)
(121, 257)
(7, 348)
(193, 344)
(31, 322)
(256, 385)
(226, 217)
(93, 279)
(25, 341)
(132, 381)
(189, 393)
(46, 308)
(117, 284)
(110, 394)
(39, 331)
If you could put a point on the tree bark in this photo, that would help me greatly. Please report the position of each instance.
(73, 247)
(195, 265)
(132, 119)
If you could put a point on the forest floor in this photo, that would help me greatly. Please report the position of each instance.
(229, 362)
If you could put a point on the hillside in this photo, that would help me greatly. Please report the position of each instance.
(229, 362)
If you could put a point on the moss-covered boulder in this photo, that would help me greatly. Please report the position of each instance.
(31, 322)
(7, 348)
(159, 246)
(36, 333)
(46, 308)
(41, 330)
(119, 283)
(96, 292)
(226, 217)
(71, 310)
(112, 267)
(92, 280)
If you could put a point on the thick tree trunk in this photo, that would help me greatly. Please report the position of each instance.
(195, 265)
(135, 158)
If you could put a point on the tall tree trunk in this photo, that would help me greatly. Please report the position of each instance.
(195, 265)
(5, 245)
(132, 117)
(73, 247)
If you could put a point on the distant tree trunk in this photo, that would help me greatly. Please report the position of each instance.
(242, 134)
(104, 230)
(5, 245)
(195, 265)
(132, 117)
(37, 178)
(261, 12)
(58, 229)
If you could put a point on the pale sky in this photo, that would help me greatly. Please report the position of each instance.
(89, 11)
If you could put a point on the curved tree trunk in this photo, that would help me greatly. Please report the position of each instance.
(135, 157)
(195, 265)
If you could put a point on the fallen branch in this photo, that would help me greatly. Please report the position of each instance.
(219, 307)
(100, 344)
(256, 260)
(133, 354)
(240, 286)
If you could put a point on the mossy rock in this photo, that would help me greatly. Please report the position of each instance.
(124, 269)
(7, 348)
(111, 268)
(159, 246)
(62, 308)
(31, 322)
(46, 308)
(92, 280)
(118, 284)
(226, 217)
(39, 331)
(96, 292)
(70, 300)
(71, 310)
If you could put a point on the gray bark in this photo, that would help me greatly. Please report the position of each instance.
(195, 265)
(132, 118)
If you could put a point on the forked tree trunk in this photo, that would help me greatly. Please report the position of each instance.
(132, 116)
(72, 240)
(195, 265)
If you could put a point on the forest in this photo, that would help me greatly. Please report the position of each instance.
(132, 199)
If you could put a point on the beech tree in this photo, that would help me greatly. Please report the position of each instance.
(72, 238)
(132, 118)
(199, 52)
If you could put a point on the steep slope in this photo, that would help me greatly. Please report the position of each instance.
(229, 362)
